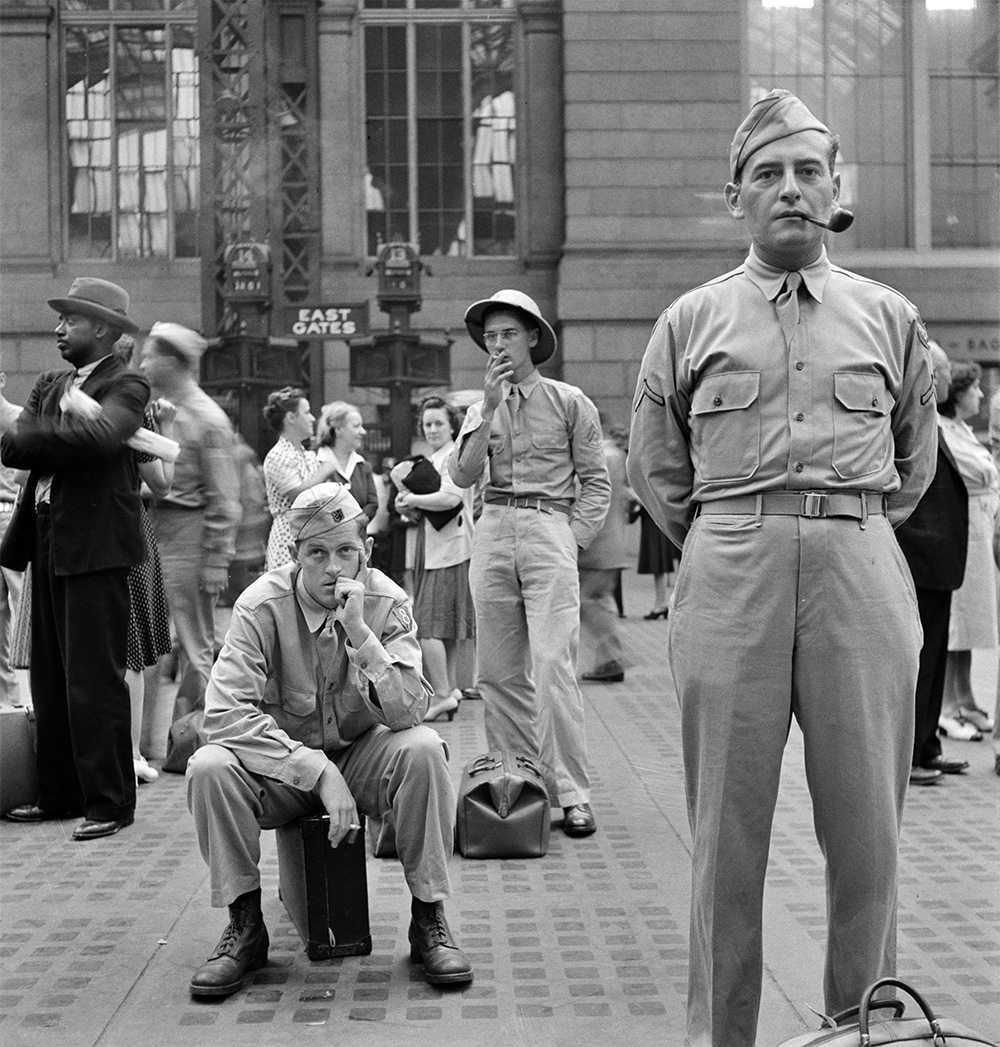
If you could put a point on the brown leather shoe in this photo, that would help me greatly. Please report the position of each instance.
(579, 820)
(242, 948)
(432, 945)
(31, 812)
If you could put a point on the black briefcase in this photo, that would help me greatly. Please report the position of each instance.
(324, 888)
(503, 808)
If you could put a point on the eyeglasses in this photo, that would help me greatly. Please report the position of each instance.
(508, 334)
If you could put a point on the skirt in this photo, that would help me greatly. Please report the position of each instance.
(443, 606)
(657, 553)
(974, 623)
(149, 623)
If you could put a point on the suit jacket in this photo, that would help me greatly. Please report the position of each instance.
(935, 538)
(96, 521)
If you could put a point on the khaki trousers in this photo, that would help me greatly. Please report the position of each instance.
(778, 617)
(526, 591)
(404, 773)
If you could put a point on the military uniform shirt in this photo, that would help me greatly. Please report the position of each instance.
(726, 405)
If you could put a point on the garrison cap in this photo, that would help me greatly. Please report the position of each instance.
(779, 114)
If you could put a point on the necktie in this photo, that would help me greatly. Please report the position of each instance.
(787, 306)
(513, 403)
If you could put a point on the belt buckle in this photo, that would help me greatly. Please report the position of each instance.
(814, 504)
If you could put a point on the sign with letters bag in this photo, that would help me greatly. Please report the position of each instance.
(503, 808)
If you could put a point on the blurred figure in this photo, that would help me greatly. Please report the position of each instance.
(255, 519)
(195, 524)
(289, 467)
(934, 541)
(600, 566)
(380, 526)
(443, 605)
(339, 437)
(974, 613)
(79, 524)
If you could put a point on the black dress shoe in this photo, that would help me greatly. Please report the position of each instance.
(432, 945)
(242, 948)
(91, 830)
(947, 765)
(31, 812)
(579, 820)
(924, 776)
(610, 672)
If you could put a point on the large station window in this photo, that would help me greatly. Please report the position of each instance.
(130, 108)
(911, 87)
(440, 122)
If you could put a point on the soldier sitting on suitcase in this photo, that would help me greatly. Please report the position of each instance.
(315, 704)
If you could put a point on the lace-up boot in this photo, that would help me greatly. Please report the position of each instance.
(242, 948)
(432, 945)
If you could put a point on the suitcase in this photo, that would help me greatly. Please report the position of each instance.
(18, 777)
(869, 1025)
(324, 888)
(503, 808)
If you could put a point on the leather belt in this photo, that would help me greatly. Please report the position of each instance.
(542, 505)
(857, 505)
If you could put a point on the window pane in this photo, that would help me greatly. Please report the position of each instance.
(186, 156)
(965, 144)
(845, 60)
(141, 137)
(88, 133)
(493, 135)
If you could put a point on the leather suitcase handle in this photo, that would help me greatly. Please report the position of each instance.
(866, 1005)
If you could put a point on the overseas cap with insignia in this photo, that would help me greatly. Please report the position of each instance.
(321, 509)
(777, 115)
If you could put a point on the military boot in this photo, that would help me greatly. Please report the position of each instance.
(432, 945)
(242, 948)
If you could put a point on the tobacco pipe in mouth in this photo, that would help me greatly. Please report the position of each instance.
(840, 220)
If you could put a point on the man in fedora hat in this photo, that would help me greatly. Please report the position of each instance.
(783, 425)
(78, 523)
(547, 493)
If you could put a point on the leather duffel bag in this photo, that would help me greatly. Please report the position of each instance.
(869, 1026)
(503, 808)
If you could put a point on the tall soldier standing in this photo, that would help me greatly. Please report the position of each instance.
(783, 424)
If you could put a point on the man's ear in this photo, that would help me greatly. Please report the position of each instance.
(294, 550)
(533, 335)
(836, 187)
(732, 195)
(369, 542)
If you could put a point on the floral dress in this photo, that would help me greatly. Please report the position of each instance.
(285, 468)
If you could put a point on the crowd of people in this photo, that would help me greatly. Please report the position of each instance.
(834, 542)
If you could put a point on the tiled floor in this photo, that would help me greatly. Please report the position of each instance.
(586, 946)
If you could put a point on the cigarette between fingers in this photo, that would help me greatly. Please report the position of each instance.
(353, 826)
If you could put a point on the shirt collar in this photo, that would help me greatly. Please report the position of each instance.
(83, 373)
(526, 385)
(314, 613)
(771, 280)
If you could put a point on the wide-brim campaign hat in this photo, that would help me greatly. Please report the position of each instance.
(475, 317)
(99, 299)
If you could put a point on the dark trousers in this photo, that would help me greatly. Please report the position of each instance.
(79, 635)
(935, 610)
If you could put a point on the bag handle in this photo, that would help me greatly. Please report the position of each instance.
(867, 1004)
(484, 763)
(851, 1014)
(530, 764)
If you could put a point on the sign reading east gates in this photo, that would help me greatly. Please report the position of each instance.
(327, 321)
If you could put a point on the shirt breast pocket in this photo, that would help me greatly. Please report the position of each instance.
(725, 426)
(862, 436)
(284, 700)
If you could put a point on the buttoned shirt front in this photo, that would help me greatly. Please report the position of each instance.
(543, 439)
(288, 686)
(205, 473)
(728, 404)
